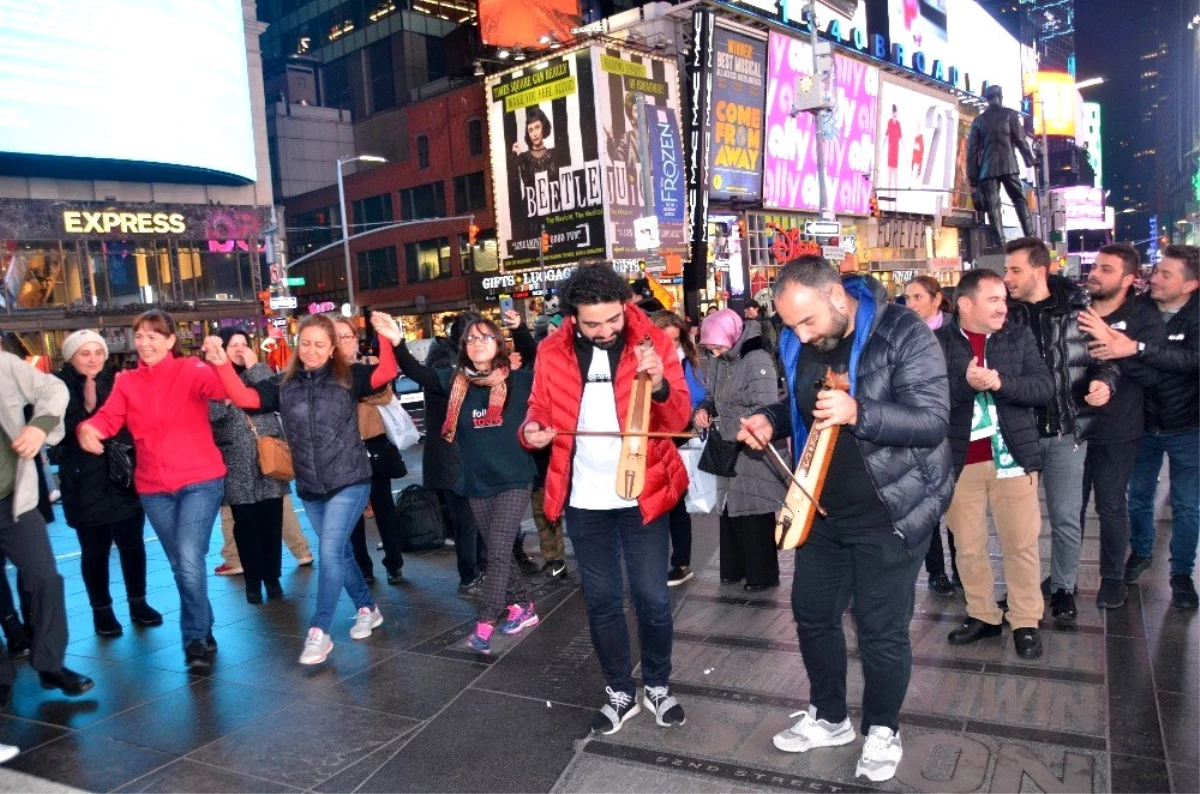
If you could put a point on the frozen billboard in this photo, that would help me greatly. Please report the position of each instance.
(790, 165)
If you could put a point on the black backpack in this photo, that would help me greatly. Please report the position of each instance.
(420, 518)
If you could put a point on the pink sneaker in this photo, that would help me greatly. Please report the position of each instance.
(481, 639)
(519, 617)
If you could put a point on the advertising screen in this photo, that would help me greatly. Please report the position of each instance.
(916, 154)
(142, 81)
(546, 161)
(958, 33)
(790, 169)
(503, 23)
(738, 88)
(621, 78)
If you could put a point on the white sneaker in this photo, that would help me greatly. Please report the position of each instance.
(8, 752)
(881, 754)
(364, 622)
(317, 646)
(810, 732)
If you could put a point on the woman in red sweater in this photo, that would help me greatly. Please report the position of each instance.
(180, 475)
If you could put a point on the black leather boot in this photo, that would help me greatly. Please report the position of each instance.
(142, 613)
(16, 637)
(105, 621)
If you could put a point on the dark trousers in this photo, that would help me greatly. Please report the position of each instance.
(386, 521)
(680, 523)
(96, 542)
(258, 530)
(499, 517)
(1106, 473)
(8, 605)
(989, 190)
(873, 569)
(26, 542)
(935, 560)
(602, 539)
(748, 548)
(469, 546)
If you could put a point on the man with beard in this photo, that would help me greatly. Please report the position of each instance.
(1114, 445)
(1172, 421)
(889, 482)
(584, 380)
(997, 379)
(1051, 306)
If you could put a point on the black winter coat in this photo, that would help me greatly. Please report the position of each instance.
(1065, 348)
(1173, 403)
(903, 410)
(89, 497)
(1025, 384)
(1121, 420)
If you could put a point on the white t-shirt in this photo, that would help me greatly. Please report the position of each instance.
(594, 475)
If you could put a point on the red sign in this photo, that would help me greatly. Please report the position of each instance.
(788, 245)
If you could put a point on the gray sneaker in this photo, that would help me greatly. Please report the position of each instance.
(810, 732)
(881, 754)
(317, 646)
(365, 622)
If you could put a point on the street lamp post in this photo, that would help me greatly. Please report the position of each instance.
(366, 158)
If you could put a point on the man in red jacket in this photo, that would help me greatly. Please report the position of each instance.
(583, 382)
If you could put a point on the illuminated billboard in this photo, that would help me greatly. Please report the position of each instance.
(528, 24)
(1054, 104)
(157, 82)
(916, 153)
(546, 162)
(738, 89)
(790, 179)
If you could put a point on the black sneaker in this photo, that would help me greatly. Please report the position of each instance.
(620, 708)
(1046, 588)
(663, 705)
(104, 620)
(556, 569)
(196, 653)
(973, 630)
(1028, 643)
(1183, 592)
(1134, 567)
(941, 586)
(143, 614)
(1111, 594)
(1062, 607)
(17, 637)
(395, 576)
(678, 575)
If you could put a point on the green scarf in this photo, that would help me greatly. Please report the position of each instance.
(986, 423)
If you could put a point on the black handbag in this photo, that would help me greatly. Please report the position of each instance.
(121, 459)
(719, 456)
(386, 459)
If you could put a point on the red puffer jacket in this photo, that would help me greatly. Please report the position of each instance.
(558, 391)
(165, 407)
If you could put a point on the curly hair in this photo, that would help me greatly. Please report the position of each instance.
(591, 284)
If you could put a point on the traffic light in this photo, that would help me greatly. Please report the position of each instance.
(874, 206)
(472, 233)
(265, 298)
(741, 227)
(545, 242)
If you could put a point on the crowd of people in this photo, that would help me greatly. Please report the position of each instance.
(958, 405)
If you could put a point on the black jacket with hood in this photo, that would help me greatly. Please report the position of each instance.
(1173, 402)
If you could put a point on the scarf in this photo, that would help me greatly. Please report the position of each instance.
(984, 424)
(496, 381)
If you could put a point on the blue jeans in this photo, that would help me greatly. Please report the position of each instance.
(1183, 454)
(183, 521)
(602, 538)
(1062, 479)
(334, 520)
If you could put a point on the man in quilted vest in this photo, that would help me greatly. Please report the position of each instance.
(583, 381)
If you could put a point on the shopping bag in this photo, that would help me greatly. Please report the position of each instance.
(398, 425)
(701, 494)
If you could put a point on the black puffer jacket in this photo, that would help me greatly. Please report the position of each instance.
(1065, 348)
(89, 497)
(898, 376)
(1173, 403)
(1025, 384)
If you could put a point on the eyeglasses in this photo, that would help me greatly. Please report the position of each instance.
(346, 337)
(481, 339)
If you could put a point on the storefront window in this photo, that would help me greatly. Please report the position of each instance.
(427, 260)
(34, 275)
(218, 277)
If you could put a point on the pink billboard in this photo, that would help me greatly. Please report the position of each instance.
(790, 164)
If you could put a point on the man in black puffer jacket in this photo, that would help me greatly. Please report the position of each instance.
(997, 378)
(888, 484)
(1050, 306)
(1172, 420)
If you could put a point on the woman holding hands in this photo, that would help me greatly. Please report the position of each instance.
(317, 400)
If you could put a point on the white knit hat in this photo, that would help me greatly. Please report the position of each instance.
(72, 343)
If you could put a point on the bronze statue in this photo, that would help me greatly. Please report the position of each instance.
(992, 162)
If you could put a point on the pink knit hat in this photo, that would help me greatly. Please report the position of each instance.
(722, 328)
